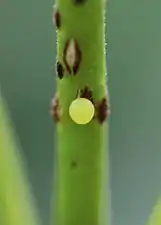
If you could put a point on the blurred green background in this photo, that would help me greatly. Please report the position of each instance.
(27, 57)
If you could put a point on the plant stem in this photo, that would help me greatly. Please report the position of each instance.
(82, 151)
(16, 203)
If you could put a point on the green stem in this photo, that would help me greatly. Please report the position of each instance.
(82, 171)
(16, 202)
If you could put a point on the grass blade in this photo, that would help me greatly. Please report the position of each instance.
(17, 206)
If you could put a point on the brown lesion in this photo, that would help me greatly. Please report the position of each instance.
(56, 17)
(77, 59)
(55, 109)
(64, 57)
(87, 93)
(72, 56)
(59, 70)
(102, 110)
(79, 2)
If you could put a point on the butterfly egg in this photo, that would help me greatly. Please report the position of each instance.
(81, 111)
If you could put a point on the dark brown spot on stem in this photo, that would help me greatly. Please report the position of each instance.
(59, 70)
(57, 18)
(102, 110)
(55, 109)
(72, 56)
(64, 57)
(79, 2)
(77, 59)
(86, 93)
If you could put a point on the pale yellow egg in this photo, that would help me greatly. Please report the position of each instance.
(81, 111)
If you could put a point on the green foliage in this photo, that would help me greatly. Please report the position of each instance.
(17, 206)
